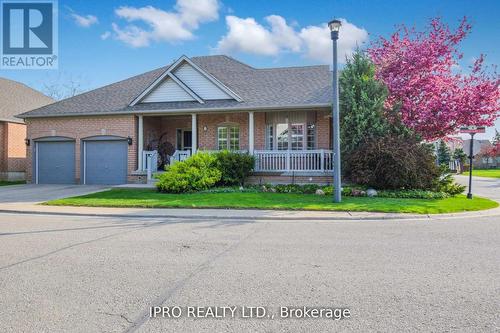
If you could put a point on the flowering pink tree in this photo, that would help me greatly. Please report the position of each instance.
(418, 70)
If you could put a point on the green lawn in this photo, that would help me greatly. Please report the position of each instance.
(149, 198)
(7, 183)
(490, 173)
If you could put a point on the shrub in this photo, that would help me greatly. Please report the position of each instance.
(446, 184)
(198, 172)
(235, 167)
(393, 162)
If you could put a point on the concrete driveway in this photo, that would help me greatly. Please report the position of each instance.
(30, 193)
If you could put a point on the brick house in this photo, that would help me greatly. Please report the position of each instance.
(15, 98)
(104, 136)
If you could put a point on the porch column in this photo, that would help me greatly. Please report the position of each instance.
(140, 142)
(194, 136)
(250, 133)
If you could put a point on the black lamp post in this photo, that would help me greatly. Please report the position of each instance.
(334, 26)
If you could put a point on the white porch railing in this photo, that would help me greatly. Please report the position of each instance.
(179, 155)
(153, 154)
(455, 166)
(320, 160)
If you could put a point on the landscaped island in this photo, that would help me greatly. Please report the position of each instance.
(150, 198)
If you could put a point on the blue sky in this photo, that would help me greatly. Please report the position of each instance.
(101, 42)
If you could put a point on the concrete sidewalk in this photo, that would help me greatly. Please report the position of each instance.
(230, 214)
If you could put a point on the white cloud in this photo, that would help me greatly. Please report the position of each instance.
(318, 44)
(283, 34)
(84, 21)
(169, 26)
(248, 36)
(106, 35)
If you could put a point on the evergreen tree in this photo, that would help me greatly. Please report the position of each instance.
(496, 139)
(443, 153)
(460, 155)
(362, 113)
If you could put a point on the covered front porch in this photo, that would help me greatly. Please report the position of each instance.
(283, 142)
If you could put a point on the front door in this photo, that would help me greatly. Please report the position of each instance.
(186, 140)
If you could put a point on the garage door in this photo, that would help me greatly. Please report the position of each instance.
(55, 162)
(105, 161)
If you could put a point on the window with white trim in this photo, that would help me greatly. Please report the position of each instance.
(297, 136)
(228, 138)
(282, 136)
(311, 136)
(269, 137)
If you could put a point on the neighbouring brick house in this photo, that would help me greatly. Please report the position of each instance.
(280, 115)
(15, 98)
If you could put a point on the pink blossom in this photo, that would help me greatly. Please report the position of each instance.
(417, 68)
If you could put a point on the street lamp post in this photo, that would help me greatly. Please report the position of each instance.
(334, 26)
(471, 157)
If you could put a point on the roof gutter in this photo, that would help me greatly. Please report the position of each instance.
(10, 120)
(181, 111)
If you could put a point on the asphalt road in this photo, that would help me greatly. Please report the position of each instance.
(82, 274)
(486, 187)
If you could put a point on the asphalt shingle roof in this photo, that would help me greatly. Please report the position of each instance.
(285, 87)
(15, 98)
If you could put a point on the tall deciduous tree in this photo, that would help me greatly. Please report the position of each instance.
(419, 70)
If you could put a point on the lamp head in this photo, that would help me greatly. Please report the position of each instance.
(334, 26)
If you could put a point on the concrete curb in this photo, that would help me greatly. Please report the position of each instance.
(244, 215)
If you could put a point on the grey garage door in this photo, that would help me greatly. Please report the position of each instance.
(105, 162)
(55, 162)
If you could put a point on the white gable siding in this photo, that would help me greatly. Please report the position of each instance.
(168, 91)
(198, 83)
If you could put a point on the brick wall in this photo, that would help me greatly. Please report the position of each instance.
(16, 147)
(12, 147)
(3, 146)
(82, 127)
(259, 179)
(323, 124)
(259, 130)
(170, 125)
(208, 139)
